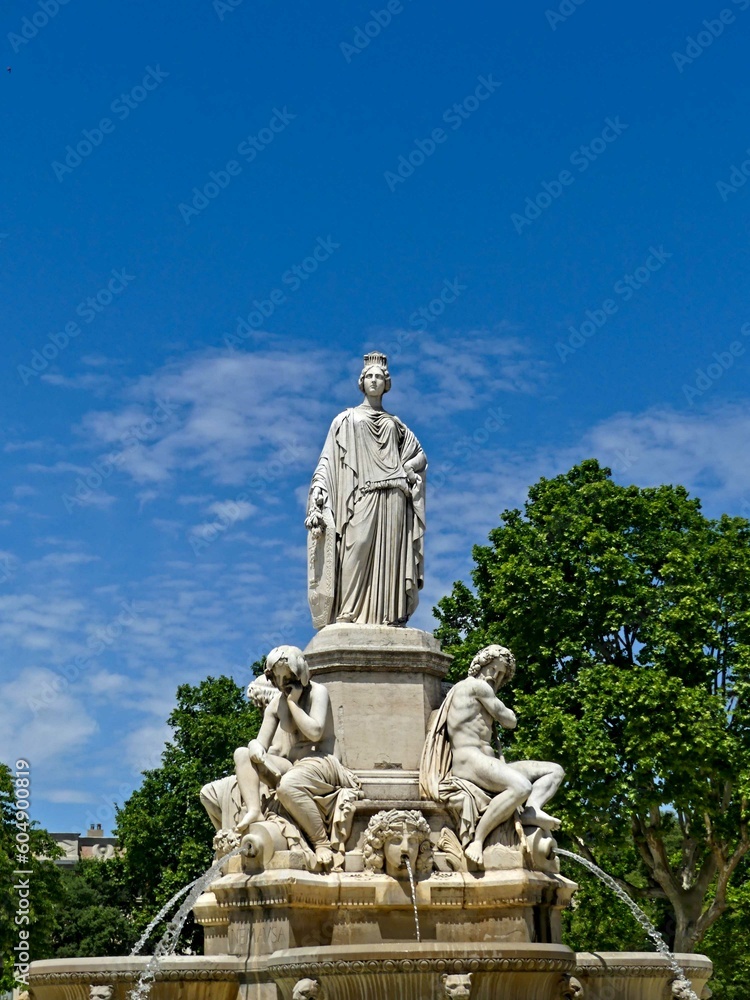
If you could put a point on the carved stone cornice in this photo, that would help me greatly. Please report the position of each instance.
(311, 970)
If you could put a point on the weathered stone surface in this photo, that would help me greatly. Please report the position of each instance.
(383, 683)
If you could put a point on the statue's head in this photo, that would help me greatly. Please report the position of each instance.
(375, 379)
(570, 988)
(495, 663)
(102, 992)
(307, 989)
(394, 835)
(456, 986)
(286, 668)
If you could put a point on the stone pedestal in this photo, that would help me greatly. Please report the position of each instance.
(383, 683)
(255, 916)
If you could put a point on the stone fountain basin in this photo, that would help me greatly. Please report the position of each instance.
(391, 971)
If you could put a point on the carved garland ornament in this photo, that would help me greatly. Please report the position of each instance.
(422, 965)
(131, 976)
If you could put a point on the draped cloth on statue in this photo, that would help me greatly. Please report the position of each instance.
(335, 790)
(378, 517)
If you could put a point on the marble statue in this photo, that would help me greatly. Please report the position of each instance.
(456, 986)
(293, 754)
(365, 513)
(290, 770)
(460, 768)
(307, 989)
(396, 834)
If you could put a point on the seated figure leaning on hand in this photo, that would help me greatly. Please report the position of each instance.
(294, 754)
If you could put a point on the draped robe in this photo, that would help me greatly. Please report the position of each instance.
(376, 566)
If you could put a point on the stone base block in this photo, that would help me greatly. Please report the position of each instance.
(383, 683)
(253, 916)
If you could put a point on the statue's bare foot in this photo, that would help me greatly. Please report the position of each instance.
(474, 852)
(250, 817)
(324, 858)
(531, 816)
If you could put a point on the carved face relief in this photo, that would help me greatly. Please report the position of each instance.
(393, 836)
(571, 989)
(306, 989)
(101, 992)
(403, 843)
(456, 987)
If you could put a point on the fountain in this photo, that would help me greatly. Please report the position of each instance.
(370, 843)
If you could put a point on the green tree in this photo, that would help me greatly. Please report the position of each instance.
(163, 828)
(629, 614)
(43, 881)
(94, 911)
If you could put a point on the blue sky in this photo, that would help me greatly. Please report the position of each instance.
(211, 210)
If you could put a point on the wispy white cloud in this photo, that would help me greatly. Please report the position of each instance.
(40, 726)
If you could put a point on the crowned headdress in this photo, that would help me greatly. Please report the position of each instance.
(376, 358)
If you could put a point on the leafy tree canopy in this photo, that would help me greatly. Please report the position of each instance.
(629, 614)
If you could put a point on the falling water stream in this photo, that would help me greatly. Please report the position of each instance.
(168, 942)
(159, 917)
(413, 894)
(640, 916)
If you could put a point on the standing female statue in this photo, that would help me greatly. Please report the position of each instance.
(366, 513)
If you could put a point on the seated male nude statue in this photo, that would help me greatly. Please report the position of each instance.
(473, 711)
(294, 753)
(466, 720)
